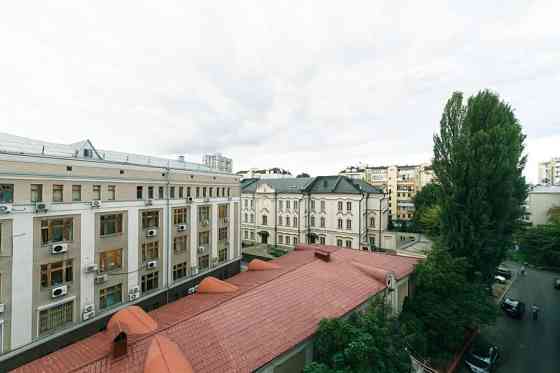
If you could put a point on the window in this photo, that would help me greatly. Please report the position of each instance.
(253, 236)
(223, 192)
(197, 192)
(246, 203)
(313, 221)
(252, 218)
(287, 221)
(287, 240)
(139, 192)
(339, 223)
(58, 193)
(295, 221)
(210, 191)
(322, 222)
(203, 238)
(252, 204)
(222, 212)
(312, 204)
(172, 192)
(222, 254)
(339, 206)
(222, 234)
(372, 221)
(264, 220)
(150, 192)
(110, 296)
(6, 193)
(288, 204)
(280, 205)
(348, 206)
(280, 239)
(150, 281)
(217, 192)
(203, 215)
(228, 192)
(110, 260)
(203, 192)
(112, 192)
(56, 273)
(296, 240)
(57, 230)
(348, 224)
(76, 193)
(180, 244)
(295, 205)
(180, 216)
(339, 243)
(36, 193)
(322, 240)
(160, 192)
(188, 191)
(246, 235)
(150, 219)
(349, 243)
(181, 192)
(150, 250)
(245, 218)
(322, 205)
(56, 317)
(96, 192)
(203, 262)
(279, 220)
(179, 271)
(111, 224)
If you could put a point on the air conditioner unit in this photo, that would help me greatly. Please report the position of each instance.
(101, 279)
(59, 248)
(201, 249)
(59, 291)
(151, 264)
(41, 207)
(95, 204)
(181, 227)
(1, 307)
(91, 268)
(149, 202)
(88, 315)
(151, 233)
(5, 209)
(134, 290)
(89, 308)
(133, 297)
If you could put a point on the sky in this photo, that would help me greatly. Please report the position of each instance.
(310, 86)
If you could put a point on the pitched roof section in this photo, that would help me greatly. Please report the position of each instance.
(164, 356)
(211, 285)
(261, 265)
(321, 184)
(272, 312)
(131, 320)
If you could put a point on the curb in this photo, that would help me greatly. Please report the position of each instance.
(514, 278)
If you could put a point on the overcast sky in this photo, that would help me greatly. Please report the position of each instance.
(307, 86)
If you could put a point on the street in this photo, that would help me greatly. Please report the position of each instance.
(527, 345)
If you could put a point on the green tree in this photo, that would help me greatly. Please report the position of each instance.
(447, 304)
(368, 342)
(540, 245)
(554, 215)
(478, 160)
(427, 210)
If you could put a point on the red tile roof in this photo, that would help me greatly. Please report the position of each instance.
(273, 311)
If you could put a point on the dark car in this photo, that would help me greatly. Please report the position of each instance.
(557, 283)
(482, 357)
(504, 272)
(513, 308)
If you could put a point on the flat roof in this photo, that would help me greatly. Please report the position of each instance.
(273, 311)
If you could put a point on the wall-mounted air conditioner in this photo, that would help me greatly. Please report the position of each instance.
(89, 308)
(151, 264)
(88, 315)
(101, 278)
(95, 204)
(59, 291)
(91, 268)
(151, 233)
(59, 248)
(134, 290)
(181, 227)
(133, 297)
(5, 209)
(41, 207)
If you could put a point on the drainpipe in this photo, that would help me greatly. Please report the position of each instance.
(360, 222)
(168, 234)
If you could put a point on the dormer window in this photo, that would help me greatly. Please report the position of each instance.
(88, 153)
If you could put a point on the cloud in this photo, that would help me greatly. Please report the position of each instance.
(312, 86)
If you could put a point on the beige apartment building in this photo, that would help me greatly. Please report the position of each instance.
(549, 172)
(84, 232)
(400, 183)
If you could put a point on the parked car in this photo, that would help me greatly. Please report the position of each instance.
(504, 272)
(557, 283)
(482, 356)
(500, 279)
(513, 308)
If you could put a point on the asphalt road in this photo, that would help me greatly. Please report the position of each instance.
(529, 346)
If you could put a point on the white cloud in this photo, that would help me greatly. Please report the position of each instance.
(309, 86)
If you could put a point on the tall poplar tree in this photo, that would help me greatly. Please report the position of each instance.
(478, 160)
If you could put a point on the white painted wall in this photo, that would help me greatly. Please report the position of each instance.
(87, 250)
(133, 227)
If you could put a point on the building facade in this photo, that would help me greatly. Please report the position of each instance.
(400, 183)
(549, 172)
(217, 161)
(540, 201)
(83, 232)
(268, 173)
(327, 210)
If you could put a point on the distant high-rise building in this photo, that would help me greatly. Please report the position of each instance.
(549, 172)
(218, 162)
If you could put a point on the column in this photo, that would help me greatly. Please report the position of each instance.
(232, 249)
(193, 226)
(87, 249)
(133, 249)
(214, 231)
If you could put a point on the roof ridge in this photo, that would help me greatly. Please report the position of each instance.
(338, 180)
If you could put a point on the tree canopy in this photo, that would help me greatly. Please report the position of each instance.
(478, 160)
(540, 245)
(427, 209)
